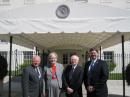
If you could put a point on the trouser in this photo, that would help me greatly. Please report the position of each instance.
(1, 88)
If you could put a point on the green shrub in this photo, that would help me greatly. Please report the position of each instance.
(111, 65)
(115, 76)
(25, 64)
(18, 72)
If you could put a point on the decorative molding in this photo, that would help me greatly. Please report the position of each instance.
(4, 2)
(29, 2)
(82, 0)
(105, 1)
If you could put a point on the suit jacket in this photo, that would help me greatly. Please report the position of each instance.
(31, 84)
(75, 82)
(48, 74)
(99, 77)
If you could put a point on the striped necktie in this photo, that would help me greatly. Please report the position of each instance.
(91, 65)
(38, 72)
(90, 72)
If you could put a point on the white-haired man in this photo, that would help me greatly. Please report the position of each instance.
(32, 79)
(72, 78)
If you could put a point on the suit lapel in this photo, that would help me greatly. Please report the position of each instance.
(49, 72)
(75, 69)
(49, 68)
(40, 71)
(96, 64)
(57, 69)
(33, 71)
(58, 72)
(89, 63)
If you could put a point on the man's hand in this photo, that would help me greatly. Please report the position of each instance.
(90, 88)
(43, 95)
(69, 90)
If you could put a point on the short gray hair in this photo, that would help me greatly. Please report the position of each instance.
(53, 53)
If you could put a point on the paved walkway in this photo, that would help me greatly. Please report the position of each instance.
(114, 88)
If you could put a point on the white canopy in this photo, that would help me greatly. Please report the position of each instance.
(88, 25)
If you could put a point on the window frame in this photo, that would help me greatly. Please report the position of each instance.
(108, 57)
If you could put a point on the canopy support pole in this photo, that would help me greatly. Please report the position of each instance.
(43, 58)
(10, 62)
(100, 52)
(37, 51)
(123, 66)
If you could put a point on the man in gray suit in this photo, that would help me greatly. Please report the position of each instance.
(32, 79)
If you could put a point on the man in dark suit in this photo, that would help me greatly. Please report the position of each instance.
(3, 72)
(72, 78)
(32, 79)
(127, 74)
(96, 75)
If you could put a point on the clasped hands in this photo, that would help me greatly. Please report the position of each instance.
(90, 88)
(69, 90)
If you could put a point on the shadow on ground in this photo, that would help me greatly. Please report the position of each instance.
(114, 95)
(16, 79)
(16, 90)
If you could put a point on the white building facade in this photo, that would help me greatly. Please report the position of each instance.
(19, 54)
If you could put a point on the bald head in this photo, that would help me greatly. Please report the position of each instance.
(74, 59)
(36, 61)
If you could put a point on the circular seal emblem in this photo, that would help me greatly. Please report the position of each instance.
(62, 11)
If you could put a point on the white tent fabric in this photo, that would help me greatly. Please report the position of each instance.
(88, 25)
(83, 17)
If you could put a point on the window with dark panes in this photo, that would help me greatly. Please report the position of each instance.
(108, 56)
(3, 42)
(65, 58)
(28, 55)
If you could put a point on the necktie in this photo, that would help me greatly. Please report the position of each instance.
(38, 72)
(73, 68)
(91, 65)
(90, 71)
(71, 72)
